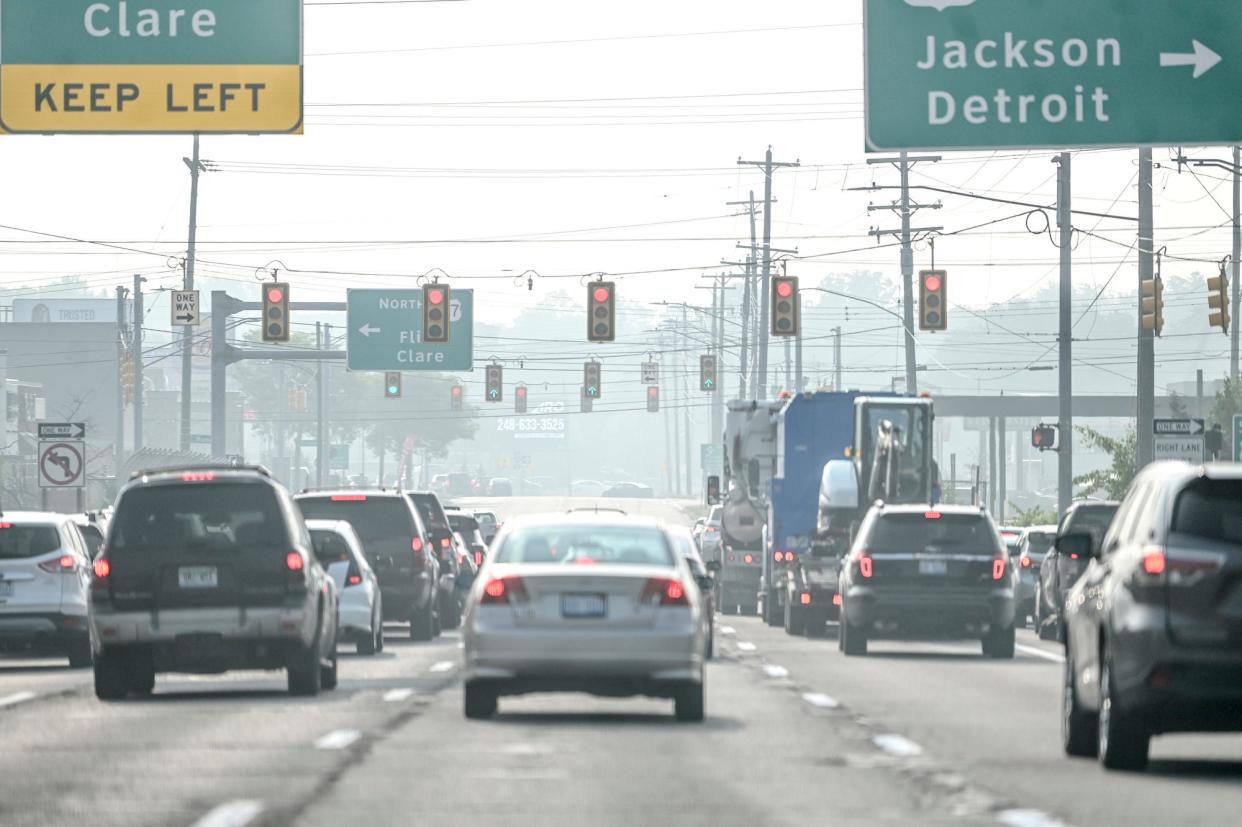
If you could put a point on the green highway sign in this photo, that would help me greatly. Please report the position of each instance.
(124, 66)
(385, 332)
(988, 74)
(1237, 438)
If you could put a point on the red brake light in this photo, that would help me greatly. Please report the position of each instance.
(664, 591)
(445, 542)
(1073, 556)
(711, 529)
(354, 580)
(749, 558)
(478, 558)
(294, 561)
(503, 590)
(1154, 561)
(932, 515)
(836, 600)
(866, 567)
(6, 525)
(805, 598)
(998, 568)
(64, 564)
(416, 544)
(1025, 562)
(198, 476)
(102, 568)
(349, 498)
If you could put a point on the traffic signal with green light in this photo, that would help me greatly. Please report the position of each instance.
(707, 373)
(435, 314)
(601, 311)
(392, 385)
(785, 316)
(495, 381)
(276, 312)
(933, 300)
(592, 388)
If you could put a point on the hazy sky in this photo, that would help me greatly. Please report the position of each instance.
(575, 137)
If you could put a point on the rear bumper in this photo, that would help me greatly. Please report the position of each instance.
(354, 618)
(169, 625)
(402, 599)
(739, 585)
(38, 629)
(919, 613)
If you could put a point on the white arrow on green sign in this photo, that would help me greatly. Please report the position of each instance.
(385, 332)
(984, 74)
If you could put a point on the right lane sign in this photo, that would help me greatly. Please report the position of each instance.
(984, 74)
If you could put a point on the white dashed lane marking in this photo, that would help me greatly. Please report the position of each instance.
(774, 671)
(745, 646)
(728, 630)
(444, 666)
(338, 739)
(233, 814)
(1028, 818)
(818, 699)
(17, 698)
(1040, 653)
(897, 745)
(396, 696)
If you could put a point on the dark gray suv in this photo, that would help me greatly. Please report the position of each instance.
(1154, 625)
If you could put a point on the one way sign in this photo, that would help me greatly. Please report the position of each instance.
(184, 308)
(1178, 427)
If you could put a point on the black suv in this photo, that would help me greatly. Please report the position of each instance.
(916, 572)
(205, 570)
(450, 601)
(396, 544)
(1060, 570)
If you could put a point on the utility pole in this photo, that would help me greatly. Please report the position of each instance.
(768, 166)
(837, 384)
(187, 333)
(136, 356)
(1065, 420)
(718, 300)
(685, 394)
(320, 448)
(1146, 373)
(122, 339)
(906, 210)
(1236, 262)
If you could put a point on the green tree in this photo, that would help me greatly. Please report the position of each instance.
(1035, 515)
(1228, 405)
(1115, 479)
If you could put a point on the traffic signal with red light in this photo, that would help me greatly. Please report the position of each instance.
(592, 387)
(601, 311)
(435, 314)
(785, 302)
(653, 398)
(495, 381)
(1218, 300)
(933, 300)
(1044, 437)
(276, 312)
(455, 398)
(519, 399)
(392, 385)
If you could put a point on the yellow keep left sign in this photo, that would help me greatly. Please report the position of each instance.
(157, 99)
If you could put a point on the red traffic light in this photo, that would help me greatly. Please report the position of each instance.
(601, 294)
(521, 391)
(275, 294)
(784, 289)
(652, 392)
(435, 296)
(932, 283)
(456, 390)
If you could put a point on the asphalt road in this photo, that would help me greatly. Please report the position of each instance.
(913, 733)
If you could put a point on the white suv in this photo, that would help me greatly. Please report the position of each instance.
(44, 585)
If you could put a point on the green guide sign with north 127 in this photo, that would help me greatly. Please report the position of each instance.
(982, 74)
(385, 332)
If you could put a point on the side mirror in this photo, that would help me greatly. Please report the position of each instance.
(706, 582)
(1076, 544)
(713, 566)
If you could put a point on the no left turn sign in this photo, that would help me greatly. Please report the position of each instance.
(61, 464)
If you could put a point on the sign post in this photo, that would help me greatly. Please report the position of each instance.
(385, 332)
(80, 66)
(1179, 439)
(985, 74)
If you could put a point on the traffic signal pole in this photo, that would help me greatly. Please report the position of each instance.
(1236, 261)
(187, 332)
(136, 355)
(1146, 369)
(1065, 421)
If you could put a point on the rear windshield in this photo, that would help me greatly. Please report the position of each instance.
(586, 545)
(20, 541)
(383, 524)
(1092, 520)
(219, 516)
(330, 547)
(1210, 509)
(950, 533)
(1038, 544)
(430, 510)
(463, 524)
(485, 519)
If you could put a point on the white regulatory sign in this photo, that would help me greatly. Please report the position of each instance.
(1184, 448)
(61, 464)
(184, 308)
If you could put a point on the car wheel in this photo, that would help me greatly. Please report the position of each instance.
(772, 614)
(110, 683)
(688, 702)
(998, 643)
(452, 614)
(79, 652)
(711, 644)
(480, 701)
(140, 672)
(1123, 736)
(371, 643)
(422, 623)
(305, 673)
(853, 638)
(327, 674)
(1079, 729)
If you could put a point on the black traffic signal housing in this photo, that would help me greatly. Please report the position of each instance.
(1218, 300)
(1153, 305)
(585, 403)
(592, 387)
(392, 385)
(1044, 437)
(455, 397)
(786, 319)
(653, 398)
(601, 311)
(933, 300)
(435, 314)
(707, 373)
(519, 399)
(713, 490)
(276, 312)
(495, 382)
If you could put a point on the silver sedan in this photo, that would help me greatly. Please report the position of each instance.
(584, 602)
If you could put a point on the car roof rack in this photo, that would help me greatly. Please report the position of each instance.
(344, 489)
(595, 509)
(218, 466)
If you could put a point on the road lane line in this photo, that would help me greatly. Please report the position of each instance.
(745, 646)
(821, 700)
(396, 696)
(774, 671)
(897, 745)
(444, 666)
(1028, 818)
(233, 814)
(17, 698)
(338, 739)
(1040, 653)
(728, 630)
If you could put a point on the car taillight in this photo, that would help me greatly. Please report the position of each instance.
(101, 569)
(1025, 562)
(294, 561)
(416, 545)
(664, 591)
(349, 498)
(866, 566)
(748, 559)
(1154, 561)
(354, 580)
(805, 598)
(711, 529)
(445, 542)
(931, 515)
(478, 558)
(836, 600)
(64, 564)
(999, 564)
(503, 590)
(198, 476)
(100, 582)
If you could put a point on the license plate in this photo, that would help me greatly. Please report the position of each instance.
(6, 589)
(197, 577)
(933, 567)
(583, 605)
